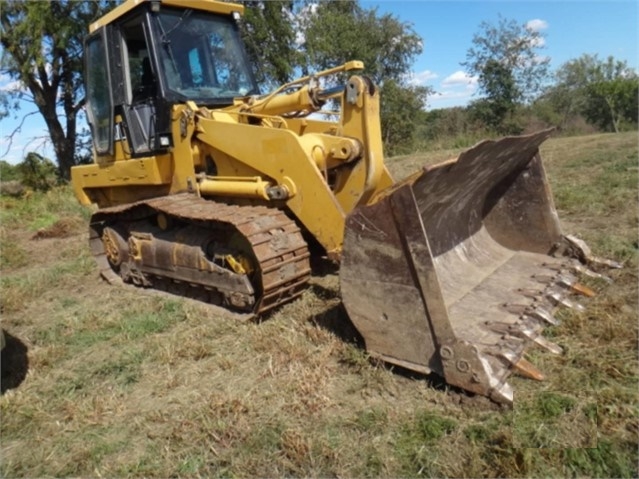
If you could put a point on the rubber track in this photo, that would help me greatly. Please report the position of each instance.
(276, 240)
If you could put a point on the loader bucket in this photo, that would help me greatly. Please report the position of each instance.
(450, 271)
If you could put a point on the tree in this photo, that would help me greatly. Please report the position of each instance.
(4, 105)
(8, 172)
(269, 36)
(510, 71)
(42, 49)
(604, 92)
(336, 32)
(402, 109)
(612, 101)
(37, 172)
(501, 96)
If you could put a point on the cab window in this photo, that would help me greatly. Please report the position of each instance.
(99, 103)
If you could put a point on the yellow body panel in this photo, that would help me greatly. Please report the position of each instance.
(174, 170)
(449, 271)
(267, 146)
(279, 154)
(361, 120)
(326, 168)
(207, 5)
(140, 172)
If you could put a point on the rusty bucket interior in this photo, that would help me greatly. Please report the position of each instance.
(452, 270)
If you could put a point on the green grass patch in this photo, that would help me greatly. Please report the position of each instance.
(13, 254)
(43, 220)
(84, 329)
(19, 290)
(41, 209)
(478, 433)
(138, 324)
(124, 369)
(551, 405)
(372, 421)
(417, 443)
(123, 383)
(608, 459)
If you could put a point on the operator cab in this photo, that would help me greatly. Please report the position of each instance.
(147, 57)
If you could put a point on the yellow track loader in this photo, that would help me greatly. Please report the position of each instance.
(208, 189)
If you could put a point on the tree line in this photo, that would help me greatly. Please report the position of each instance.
(42, 50)
(519, 92)
(584, 95)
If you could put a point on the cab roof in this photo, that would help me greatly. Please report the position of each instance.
(205, 5)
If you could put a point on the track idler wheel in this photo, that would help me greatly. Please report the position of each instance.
(115, 247)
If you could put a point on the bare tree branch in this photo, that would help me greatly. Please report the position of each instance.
(15, 131)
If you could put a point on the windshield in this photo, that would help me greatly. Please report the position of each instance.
(201, 57)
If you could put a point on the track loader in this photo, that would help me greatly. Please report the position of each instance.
(209, 189)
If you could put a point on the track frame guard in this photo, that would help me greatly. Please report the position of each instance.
(455, 270)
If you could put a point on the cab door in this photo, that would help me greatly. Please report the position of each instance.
(140, 88)
(99, 93)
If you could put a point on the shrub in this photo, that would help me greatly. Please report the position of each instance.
(37, 172)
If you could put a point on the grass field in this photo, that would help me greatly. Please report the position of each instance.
(102, 381)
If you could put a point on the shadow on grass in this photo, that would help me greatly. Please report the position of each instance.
(336, 320)
(14, 363)
(322, 266)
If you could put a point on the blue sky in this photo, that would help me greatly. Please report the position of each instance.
(571, 29)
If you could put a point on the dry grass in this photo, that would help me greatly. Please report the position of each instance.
(115, 383)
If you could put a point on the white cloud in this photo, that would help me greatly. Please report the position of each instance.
(460, 78)
(422, 78)
(8, 85)
(446, 95)
(537, 25)
(457, 89)
(539, 42)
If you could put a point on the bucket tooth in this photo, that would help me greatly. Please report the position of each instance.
(525, 331)
(569, 281)
(581, 269)
(544, 278)
(534, 335)
(530, 293)
(541, 313)
(581, 250)
(583, 290)
(548, 345)
(528, 369)
(523, 367)
(560, 298)
(566, 280)
(503, 394)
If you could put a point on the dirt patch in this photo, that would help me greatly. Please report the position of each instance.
(60, 229)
